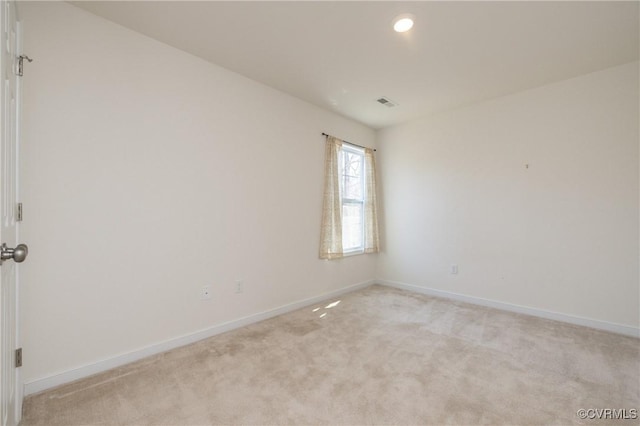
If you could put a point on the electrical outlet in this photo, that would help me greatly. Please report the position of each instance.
(205, 294)
(454, 269)
(239, 286)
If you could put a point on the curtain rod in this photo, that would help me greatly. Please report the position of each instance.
(359, 146)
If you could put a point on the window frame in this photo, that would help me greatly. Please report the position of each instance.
(353, 201)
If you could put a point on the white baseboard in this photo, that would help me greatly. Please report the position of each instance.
(68, 376)
(586, 322)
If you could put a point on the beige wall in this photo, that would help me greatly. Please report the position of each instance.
(560, 236)
(149, 173)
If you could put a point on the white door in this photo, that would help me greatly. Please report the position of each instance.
(9, 109)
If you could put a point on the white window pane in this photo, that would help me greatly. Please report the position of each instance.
(353, 188)
(352, 173)
(352, 226)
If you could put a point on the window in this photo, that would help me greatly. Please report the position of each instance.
(351, 172)
(349, 213)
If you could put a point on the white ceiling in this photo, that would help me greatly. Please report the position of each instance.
(342, 56)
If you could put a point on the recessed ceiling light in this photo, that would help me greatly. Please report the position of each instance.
(403, 23)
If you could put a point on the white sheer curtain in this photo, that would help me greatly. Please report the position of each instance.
(371, 238)
(331, 229)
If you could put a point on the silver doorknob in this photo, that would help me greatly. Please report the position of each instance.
(18, 254)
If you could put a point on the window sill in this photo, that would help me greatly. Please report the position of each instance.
(348, 254)
(353, 253)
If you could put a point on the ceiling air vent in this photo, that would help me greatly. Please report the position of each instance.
(387, 102)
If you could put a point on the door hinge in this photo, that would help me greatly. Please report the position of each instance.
(19, 212)
(18, 357)
(21, 59)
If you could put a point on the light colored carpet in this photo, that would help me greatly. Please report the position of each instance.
(379, 356)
